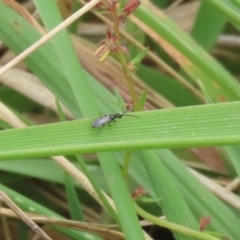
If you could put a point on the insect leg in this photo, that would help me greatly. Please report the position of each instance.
(101, 128)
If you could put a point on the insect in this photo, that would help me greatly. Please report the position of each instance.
(100, 122)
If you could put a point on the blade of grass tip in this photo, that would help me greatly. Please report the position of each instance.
(126, 164)
(59, 110)
(173, 205)
(142, 100)
(139, 57)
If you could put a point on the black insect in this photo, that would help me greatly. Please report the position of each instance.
(100, 122)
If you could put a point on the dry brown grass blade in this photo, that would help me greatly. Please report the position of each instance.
(6, 200)
(106, 73)
(101, 230)
(24, 13)
(31, 87)
(9, 117)
(219, 191)
(48, 36)
(184, 14)
(233, 185)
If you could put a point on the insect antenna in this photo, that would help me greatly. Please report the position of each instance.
(125, 114)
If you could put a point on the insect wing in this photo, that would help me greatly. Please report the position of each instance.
(100, 121)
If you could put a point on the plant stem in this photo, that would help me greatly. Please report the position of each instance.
(126, 163)
(173, 226)
(122, 59)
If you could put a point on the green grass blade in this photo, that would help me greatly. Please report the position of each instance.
(208, 25)
(206, 125)
(233, 153)
(121, 195)
(200, 200)
(198, 58)
(167, 87)
(43, 62)
(48, 170)
(86, 103)
(172, 202)
(73, 201)
(236, 2)
(68, 58)
(229, 10)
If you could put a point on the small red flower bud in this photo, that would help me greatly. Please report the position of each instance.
(204, 222)
(139, 192)
(131, 6)
(129, 106)
(109, 45)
